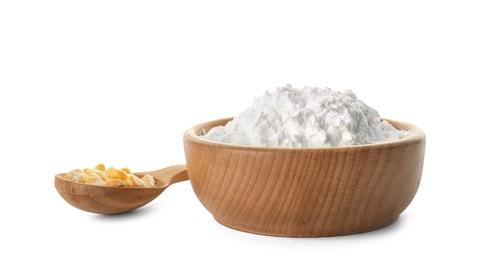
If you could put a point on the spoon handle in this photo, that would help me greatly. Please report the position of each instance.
(170, 174)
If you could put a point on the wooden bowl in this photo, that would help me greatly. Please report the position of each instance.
(305, 192)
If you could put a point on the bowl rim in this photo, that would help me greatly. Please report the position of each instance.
(416, 136)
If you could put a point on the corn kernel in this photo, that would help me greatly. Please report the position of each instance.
(91, 174)
(76, 172)
(111, 182)
(99, 173)
(73, 173)
(80, 178)
(134, 181)
(100, 167)
(149, 181)
(111, 177)
(112, 172)
(95, 181)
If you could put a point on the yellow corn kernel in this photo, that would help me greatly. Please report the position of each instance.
(76, 172)
(95, 181)
(73, 173)
(99, 173)
(100, 167)
(111, 182)
(112, 172)
(111, 177)
(91, 174)
(80, 178)
(134, 181)
(149, 181)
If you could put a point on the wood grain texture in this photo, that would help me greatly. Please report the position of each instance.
(309, 192)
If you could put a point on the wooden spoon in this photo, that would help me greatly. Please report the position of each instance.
(114, 200)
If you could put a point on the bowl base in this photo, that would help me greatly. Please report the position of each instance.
(331, 233)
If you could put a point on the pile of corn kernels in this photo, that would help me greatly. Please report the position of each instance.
(110, 177)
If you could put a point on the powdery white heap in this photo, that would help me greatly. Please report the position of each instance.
(307, 117)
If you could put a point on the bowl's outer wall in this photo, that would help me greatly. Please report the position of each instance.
(305, 192)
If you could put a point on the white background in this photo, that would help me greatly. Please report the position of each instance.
(118, 82)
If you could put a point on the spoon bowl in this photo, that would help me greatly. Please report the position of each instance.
(115, 200)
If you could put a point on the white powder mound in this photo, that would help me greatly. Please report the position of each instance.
(306, 118)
